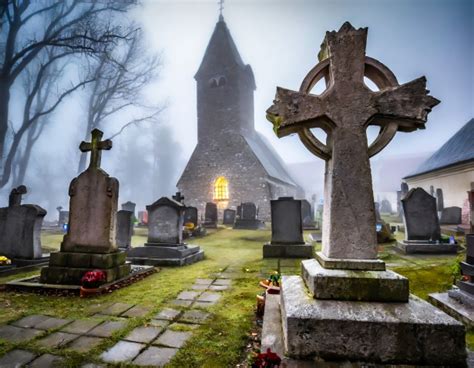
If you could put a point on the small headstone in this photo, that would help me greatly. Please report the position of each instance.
(439, 199)
(451, 216)
(210, 215)
(247, 218)
(229, 217)
(124, 229)
(129, 206)
(432, 192)
(249, 211)
(307, 215)
(63, 219)
(20, 228)
(191, 215)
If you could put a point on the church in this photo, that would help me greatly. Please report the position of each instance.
(232, 162)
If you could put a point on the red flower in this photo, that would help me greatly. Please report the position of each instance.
(268, 359)
(93, 279)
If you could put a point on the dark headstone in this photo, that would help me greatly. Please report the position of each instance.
(421, 219)
(432, 192)
(63, 218)
(439, 199)
(451, 216)
(191, 215)
(129, 206)
(20, 228)
(210, 215)
(229, 217)
(467, 270)
(248, 211)
(247, 217)
(404, 188)
(307, 215)
(124, 229)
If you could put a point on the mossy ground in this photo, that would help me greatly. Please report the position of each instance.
(222, 340)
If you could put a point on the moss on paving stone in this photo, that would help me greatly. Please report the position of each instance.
(234, 253)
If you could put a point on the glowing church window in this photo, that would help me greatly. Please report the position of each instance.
(221, 189)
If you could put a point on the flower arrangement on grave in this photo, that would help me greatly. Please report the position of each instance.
(268, 359)
(273, 281)
(93, 279)
(4, 260)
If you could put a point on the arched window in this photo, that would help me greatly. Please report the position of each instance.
(221, 189)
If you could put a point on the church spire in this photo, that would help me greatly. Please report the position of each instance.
(221, 7)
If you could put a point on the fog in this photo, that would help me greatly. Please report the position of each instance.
(280, 40)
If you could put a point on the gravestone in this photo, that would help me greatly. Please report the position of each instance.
(451, 216)
(307, 215)
(422, 230)
(63, 219)
(124, 229)
(386, 206)
(178, 197)
(400, 195)
(129, 206)
(248, 217)
(439, 200)
(20, 230)
(210, 215)
(90, 239)
(349, 286)
(287, 231)
(191, 215)
(229, 216)
(432, 191)
(165, 245)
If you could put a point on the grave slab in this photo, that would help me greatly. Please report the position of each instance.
(116, 309)
(462, 312)
(168, 314)
(85, 343)
(56, 340)
(18, 334)
(47, 361)
(16, 358)
(81, 326)
(188, 295)
(106, 329)
(30, 321)
(174, 339)
(154, 356)
(52, 323)
(123, 351)
(194, 316)
(144, 334)
(136, 311)
(209, 297)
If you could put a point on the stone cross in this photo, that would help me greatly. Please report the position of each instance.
(344, 111)
(95, 146)
(16, 195)
(178, 197)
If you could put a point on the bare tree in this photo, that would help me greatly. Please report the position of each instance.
(73, 27)
(119, 78)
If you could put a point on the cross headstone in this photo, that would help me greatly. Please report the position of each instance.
(344, 111)
(178, 197)
(95, 146)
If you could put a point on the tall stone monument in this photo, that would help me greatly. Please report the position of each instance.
(342, 312)
(90, 240)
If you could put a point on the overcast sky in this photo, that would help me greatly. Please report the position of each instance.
(280, 39)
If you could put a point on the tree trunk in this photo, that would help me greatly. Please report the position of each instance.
(4, 102)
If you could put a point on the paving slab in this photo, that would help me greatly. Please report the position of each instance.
(30, 321)
(218, 287)
(81, 326)
(194, 316)
(56, 340)
(116, 309)
(168, 314)
(159, 323)
(47, 361)
(123, 351)
(52, 323)
(106, 329)
(199, 287)
(188, 295)
(173, 339)
(204, 281)
(136, 311)
(154, 356)
(18, 334)
(209, 297)
(85, 343)
(144, 334)
(182, 303)
(225, 282)
(16, 358)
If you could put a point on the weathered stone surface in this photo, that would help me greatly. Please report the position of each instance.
(218, 287)
(210, 215)
(412, 332)
(188, 295)
(16, 358)
(194, 316)
(154, 356)
(165, 221)
(174, 339)
(191, 215)
(30, 321)
(116, 309)
(18, 334)
(123, 351)
(420, 216)
(159, 323)
(137, 311)
(177, 326)
(209, 297)
(124, 229)
(456, 309)
(81, 326)
(182, 303)
(426, 247)
(83, 344)
(381, 286)
(199, 287)
(143, 334)
(272, 337)
(106, 329)
(287, 224)
(451, 216)
(52, 323)
(344, 111)
(168, 314)
(222, 281)
(47, 361)
(350, 264)
(287, 250)
(229, 216)
(56, 339)
(203, 281)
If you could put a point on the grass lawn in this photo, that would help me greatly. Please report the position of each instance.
(221, 341)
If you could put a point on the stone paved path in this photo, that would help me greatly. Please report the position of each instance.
(155, 343)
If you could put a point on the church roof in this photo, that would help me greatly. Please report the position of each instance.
(221, 51)
(458, 149)
(269, 158)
